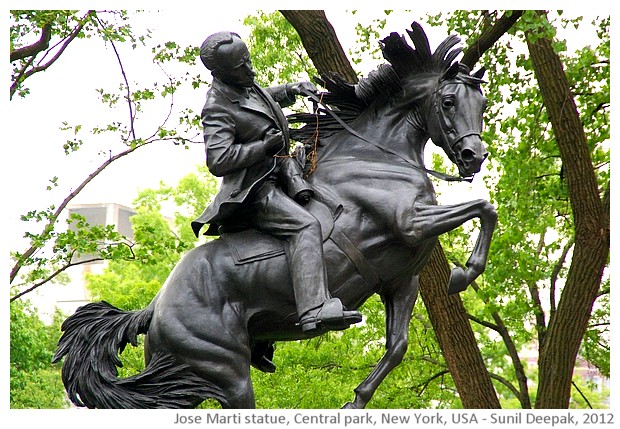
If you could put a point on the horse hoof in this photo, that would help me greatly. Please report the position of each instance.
(458, 281)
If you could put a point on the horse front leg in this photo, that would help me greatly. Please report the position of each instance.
(430, 221)
(399, 300)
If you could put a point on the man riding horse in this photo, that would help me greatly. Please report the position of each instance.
(246, 139)
(214, 317)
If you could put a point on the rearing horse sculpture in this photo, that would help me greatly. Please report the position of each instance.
(221, 303)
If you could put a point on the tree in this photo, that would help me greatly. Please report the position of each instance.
(35, 382)
(538, 206)
(51, 251)
(569, 322)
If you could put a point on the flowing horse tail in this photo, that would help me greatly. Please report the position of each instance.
(91, 340)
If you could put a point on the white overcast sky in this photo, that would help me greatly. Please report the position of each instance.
(67, 92)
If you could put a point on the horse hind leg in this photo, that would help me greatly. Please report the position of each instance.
(215, 347)
(206, 371)
(232, 377)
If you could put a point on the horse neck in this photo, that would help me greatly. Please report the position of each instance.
(385, 131)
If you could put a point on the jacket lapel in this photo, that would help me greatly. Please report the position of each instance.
(276, 110)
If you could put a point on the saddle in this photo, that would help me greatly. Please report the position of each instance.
(249, 245)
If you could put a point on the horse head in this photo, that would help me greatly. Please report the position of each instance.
(454, 118)
(449, 104)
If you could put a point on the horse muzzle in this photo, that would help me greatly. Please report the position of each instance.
(470, 153)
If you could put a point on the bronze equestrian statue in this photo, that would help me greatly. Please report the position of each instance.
(228, 298)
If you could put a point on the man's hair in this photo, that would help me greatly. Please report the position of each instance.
(209, 47)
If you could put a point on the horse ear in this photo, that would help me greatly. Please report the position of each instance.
(451, 72)
(480, 73)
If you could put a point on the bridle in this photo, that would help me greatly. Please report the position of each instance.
(446, 128)
(437, 174)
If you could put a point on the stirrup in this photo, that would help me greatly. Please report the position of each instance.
(331, 316)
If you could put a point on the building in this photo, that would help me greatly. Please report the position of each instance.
(67, 298)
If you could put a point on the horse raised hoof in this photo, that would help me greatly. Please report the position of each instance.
(458, 281)
(331, 316)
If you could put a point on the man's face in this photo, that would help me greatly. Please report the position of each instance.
(234, 64)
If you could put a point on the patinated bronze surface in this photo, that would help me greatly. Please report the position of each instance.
(228, 300)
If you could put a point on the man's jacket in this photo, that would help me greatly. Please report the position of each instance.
(234, 127)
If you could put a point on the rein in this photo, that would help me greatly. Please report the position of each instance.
(437, 174)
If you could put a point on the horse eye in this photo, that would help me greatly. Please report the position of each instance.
(448, 102)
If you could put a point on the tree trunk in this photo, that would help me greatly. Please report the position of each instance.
(489, 37)
(569, 323)
(448, 315)
(455, 336)
(321, 43)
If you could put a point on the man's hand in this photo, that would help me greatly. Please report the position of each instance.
(274, 141)
(299, 88)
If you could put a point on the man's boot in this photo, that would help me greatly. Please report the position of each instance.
(331, 316)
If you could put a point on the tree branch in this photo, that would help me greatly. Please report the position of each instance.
(32, 50)
(26, 74)
(320, 42)
(49, 227)
(484, 323)
(508, 384)
(582, 395)
(430, 380)
(539, 313)
(132, 117)
(489, 37)
(556, 273)
(56, 274)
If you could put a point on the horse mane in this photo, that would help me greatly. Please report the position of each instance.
(348, 100)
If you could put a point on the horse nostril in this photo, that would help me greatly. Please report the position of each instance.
(468, 155)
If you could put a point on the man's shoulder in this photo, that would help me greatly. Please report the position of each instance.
(218, 98)
(221, 90)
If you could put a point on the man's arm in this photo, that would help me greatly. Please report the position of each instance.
(285, 95)
(224, 156)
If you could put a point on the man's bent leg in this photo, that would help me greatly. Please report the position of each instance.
(278, 215)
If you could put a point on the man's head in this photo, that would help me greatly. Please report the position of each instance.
(228, 58)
